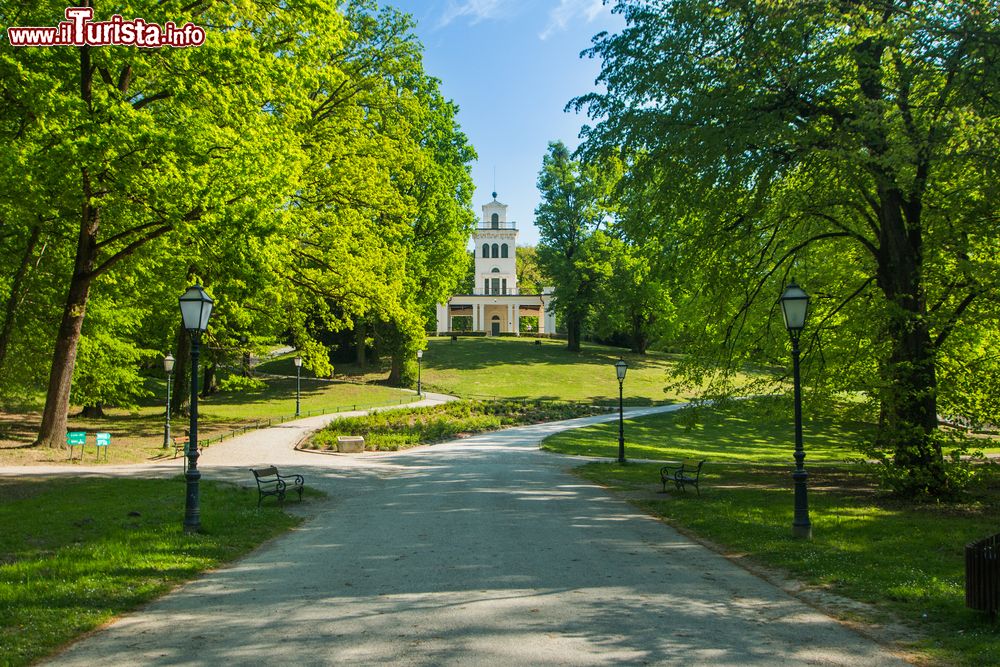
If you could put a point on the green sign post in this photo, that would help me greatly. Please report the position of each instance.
(103, 440)
(76, 439)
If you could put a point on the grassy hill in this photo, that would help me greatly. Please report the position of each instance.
(517, 368)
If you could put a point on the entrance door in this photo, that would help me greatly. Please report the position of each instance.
(495, 325)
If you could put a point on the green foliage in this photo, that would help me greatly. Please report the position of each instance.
(851, 149)
(241, 384)
(76, 553)
(960, 466)
(574, 203)
(530, 276)
(308, 172)
(398, 429)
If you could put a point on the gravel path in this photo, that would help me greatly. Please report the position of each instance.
(482, 551)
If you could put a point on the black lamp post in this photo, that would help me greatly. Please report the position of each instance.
(420, 355)
(196, 307)
(794, 308)
(298, 384)
(621, 368)
(168, 367)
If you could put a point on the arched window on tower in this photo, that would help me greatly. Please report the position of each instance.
(503, 251)
(486, 250)
(495, 221)
(496, 250)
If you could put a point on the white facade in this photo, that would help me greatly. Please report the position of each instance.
(496, 304)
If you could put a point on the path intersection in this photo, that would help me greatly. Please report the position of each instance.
(481, 551)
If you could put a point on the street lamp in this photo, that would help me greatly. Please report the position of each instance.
(420, 355)
(620, 369)
(298, 383)
(196, 308)
(794, 308)
(168, 367)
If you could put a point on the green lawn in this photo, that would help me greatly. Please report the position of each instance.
(754, 430)
(480, 367)
(137, 434)
(75, 553)
(904, 559)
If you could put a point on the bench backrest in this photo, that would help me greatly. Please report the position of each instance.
(692, 466)
(264, 472)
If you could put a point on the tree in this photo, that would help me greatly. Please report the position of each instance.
(854, 144)
(121, 147)
(632, 298)
(573, 206)
(386, 198)
(530, 278)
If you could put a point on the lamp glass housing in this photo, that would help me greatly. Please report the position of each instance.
(196, 308)
(298, 361)
(168, 363)
(420, 354)
(621, 368)
(794, 307)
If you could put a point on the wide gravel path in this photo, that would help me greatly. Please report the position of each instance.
(483, 551)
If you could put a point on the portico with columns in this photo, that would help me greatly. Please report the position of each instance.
(496, 305)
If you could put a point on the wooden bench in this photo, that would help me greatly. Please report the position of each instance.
(270, 483)
(687, 473)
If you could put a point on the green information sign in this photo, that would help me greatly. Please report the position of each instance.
(103, 439)
(75, 438)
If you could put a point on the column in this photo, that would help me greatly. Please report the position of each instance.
(443, 319)
(509, 328)
(517, 319)
(550, 320)
(475, 317)
(541, 318)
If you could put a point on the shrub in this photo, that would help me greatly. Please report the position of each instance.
(240, 383)
(391, 430)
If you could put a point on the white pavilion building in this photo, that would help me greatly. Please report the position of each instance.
(496, 305)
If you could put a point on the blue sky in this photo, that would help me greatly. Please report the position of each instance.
(511, 66)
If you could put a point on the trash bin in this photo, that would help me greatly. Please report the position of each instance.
(982, 575)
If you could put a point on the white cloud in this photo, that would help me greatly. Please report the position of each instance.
(476, 10)
(567, 10)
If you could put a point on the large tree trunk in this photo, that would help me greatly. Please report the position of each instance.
(639, 339)
(573, 328)
(209, 385)
(95, 411)
(16, 291)
(909, 395)
(360, 333)
(180, 399)
(52, 431)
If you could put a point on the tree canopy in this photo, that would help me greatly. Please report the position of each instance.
(299, 164)
(850, 145)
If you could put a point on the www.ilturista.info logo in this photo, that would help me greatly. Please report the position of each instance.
(79, 30)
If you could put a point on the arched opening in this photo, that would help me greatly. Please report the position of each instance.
(494, 282)
(495, 325)
(496, 250)
(486, 250)
(495, 221)
(503, 251)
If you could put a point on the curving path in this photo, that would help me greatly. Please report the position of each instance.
(482, 551)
